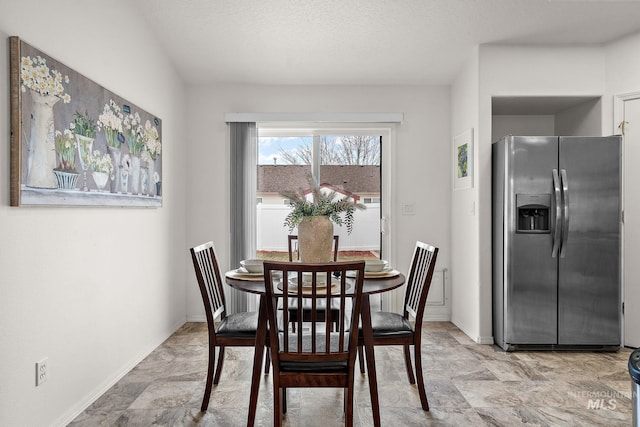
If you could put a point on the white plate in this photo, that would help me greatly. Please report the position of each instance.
(244, 272)
(306, 285)
(235, 274)
(387, 272)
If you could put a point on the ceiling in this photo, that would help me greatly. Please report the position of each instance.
(365, 42)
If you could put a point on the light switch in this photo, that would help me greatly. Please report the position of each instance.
(409, 208)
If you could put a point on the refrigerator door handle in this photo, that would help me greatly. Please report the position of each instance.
(558, 226)
(565, 215)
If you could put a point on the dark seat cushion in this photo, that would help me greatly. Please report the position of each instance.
(313, 366)
(386, 324)
(328, 366)
(239, 325)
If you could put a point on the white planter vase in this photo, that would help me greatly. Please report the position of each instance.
(151, 166)
(101, 179)
(85, 147)
(66, 180)
(116, 155)
(134, 175)
(42, 153)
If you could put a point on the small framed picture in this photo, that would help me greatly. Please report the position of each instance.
(463, 160)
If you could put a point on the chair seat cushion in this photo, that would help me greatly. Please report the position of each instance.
(324, 366)
(313, 366)
(386, 324)
(239, 325)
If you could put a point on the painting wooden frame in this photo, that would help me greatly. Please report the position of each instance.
(75, 143)
(463, 160)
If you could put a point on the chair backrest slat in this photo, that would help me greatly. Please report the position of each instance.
(421, 271)
(209, 280)
(334, 284)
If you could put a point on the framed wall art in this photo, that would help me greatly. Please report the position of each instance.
(463, 160)
(74, 143)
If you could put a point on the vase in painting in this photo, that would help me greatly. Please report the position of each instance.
(42, 153)
(66, 180)
(85, 147)
(116, 154)
(144, 180)
(123, 174)
(100, 178)
(151, 167)
(134, 175)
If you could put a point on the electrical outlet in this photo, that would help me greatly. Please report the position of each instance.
(42, 371)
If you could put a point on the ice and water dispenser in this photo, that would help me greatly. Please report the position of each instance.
(533, 213)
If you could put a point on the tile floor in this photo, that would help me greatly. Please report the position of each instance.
(467, 385)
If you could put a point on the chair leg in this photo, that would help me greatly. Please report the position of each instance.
(216, 380)
(277, 408)
(361, 358)
(407, 362)
(210, 371)
(421, 390)
(348, 414)
(284, 400)
(267, 360)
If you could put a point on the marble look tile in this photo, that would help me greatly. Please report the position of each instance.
(511, 416)
(514, 370)
(467, 385)
(168, 394)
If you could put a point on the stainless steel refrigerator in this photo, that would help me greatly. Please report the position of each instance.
(556, 242)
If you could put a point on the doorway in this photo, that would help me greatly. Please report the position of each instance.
(630, 126)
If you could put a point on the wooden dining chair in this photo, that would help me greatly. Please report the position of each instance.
(232, 330)
(396, 329)
(319, 356)
(293, 308)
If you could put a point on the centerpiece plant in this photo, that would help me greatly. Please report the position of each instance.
(315, 217)
(338, 211)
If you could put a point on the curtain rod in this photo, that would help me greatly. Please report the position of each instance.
(315, 117)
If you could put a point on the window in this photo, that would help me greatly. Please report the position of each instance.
(345, 160)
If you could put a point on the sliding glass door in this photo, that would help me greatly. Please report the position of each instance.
(345, 161)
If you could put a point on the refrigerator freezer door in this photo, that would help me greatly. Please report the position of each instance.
(531, 271)
(589, 302)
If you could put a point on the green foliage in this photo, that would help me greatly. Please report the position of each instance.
(320, 205)
(84, 125)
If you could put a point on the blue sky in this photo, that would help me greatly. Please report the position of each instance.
(269, 147)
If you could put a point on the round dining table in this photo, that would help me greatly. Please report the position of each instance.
(373, 284)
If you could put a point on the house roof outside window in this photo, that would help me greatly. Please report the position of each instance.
(351, 180)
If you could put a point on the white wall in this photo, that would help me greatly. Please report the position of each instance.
(584, 119)
(522, 125)
(94, 290)
(465, 285)
(420, 167)
(622, 73)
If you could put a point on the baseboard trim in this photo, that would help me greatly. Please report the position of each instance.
(485, 340)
